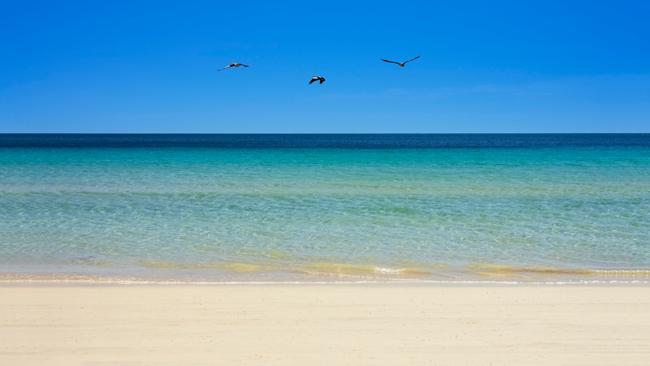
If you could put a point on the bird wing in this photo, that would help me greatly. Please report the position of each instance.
(413, 59)
(390, 62)
(312, 80)
(322, 80)
(244, 65)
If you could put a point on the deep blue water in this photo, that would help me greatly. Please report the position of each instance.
(352, 141)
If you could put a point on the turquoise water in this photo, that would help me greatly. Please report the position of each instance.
(299, 212)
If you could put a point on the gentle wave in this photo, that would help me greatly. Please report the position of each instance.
(507, 270)
(352, 270)
(316, 269)
(346, 269)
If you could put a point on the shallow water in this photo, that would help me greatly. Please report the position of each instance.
(303, 206)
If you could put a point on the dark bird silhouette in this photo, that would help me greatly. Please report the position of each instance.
(315, 78)
(233, 65)
(401, 64)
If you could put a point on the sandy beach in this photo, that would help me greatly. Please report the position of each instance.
(324, 325)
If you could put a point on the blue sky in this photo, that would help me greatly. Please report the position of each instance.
(486, 66)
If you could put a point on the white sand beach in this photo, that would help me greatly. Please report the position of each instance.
(324, 325)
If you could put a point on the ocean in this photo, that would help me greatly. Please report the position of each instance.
(390, 207)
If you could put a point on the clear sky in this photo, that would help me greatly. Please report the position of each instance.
(486, 66)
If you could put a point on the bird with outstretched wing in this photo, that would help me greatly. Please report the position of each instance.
(401, 64)
(233, 65)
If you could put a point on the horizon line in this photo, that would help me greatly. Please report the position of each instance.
(325, 133)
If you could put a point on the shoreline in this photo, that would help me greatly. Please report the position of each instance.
(28, 280)
(331, 273)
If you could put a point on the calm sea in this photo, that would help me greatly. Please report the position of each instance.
(313, 207)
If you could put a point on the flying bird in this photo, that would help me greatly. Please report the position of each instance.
(233, 65)
(401, 64)
(315, 78)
